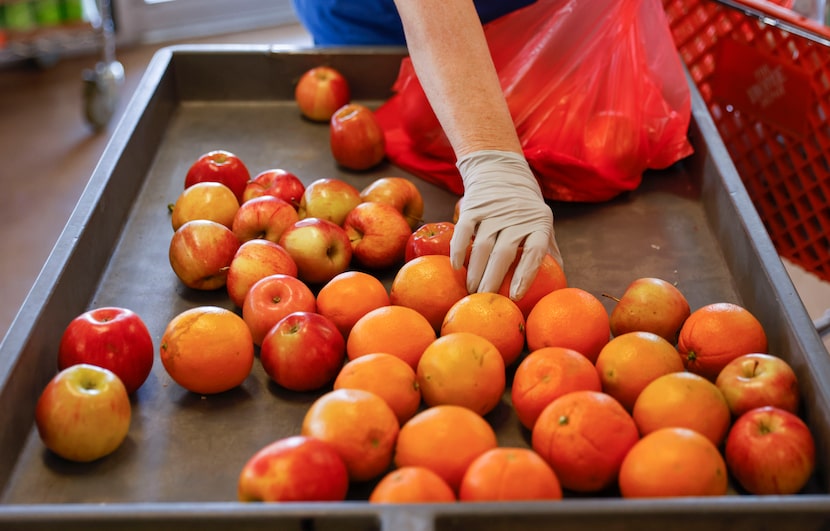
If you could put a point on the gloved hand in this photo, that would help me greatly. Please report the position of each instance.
(502, 209)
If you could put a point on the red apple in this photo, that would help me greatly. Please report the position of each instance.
(755, 380)
(294, 469)
(255, 260)
(356, 138)
(110, 337)
(278, 183)
(320, 248)
(400, 193)
(83, 413)
(207, 200)
(430, 238)
(378, 234)
(320, 91)
(329, 199)
(770, 451)
(304, 351)
(264, 217)
(201, 252)
(272, 298)
(222, 167)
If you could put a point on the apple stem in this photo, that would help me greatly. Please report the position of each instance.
(613, 298)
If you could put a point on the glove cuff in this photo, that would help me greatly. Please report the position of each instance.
(474, 159)
(494, 167)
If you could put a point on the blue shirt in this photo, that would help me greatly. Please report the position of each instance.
(373, 22)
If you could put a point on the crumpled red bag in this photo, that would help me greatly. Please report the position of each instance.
(596, 89)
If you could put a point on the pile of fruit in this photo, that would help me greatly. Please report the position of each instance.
(651, 399)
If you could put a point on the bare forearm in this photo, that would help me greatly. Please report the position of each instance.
(449, 52)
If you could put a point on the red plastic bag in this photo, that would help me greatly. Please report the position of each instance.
(596, 89)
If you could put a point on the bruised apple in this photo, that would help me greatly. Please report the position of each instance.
(356, 138)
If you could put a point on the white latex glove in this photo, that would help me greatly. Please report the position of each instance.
(503, 208)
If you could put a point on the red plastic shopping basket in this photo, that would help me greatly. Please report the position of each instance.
(764, 73)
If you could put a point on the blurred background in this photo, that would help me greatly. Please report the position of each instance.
(49, 148)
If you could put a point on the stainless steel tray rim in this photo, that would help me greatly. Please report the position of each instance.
(44, 291)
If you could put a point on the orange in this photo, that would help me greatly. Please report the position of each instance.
(360, 425)
(509, 474)
(631, 361)
(684, 400)
(584, 436)
(389, 377)
(412, 484)
(492, 316)
(396, 330)
(429, 285)
(444, 439)
(462, 369)
(549, 277)
(349, 296)
(545, 375)
(715, 334)
(571, 318)
(673, 462)
(207, 349)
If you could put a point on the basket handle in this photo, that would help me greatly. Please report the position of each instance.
(782, 17)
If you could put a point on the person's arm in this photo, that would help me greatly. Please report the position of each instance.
(503, 207)
(450, 55)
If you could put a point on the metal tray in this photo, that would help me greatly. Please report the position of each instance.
(692, 224)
